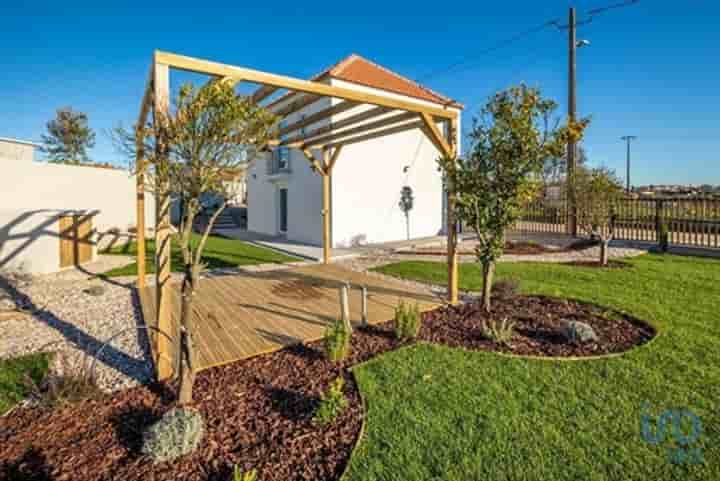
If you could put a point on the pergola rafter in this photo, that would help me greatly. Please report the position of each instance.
(395, 115)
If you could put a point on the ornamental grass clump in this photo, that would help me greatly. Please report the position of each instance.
(176, 434)
(407, 321)
(500, 332)
(337, 341)
(332, 403)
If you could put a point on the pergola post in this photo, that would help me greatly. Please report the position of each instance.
(448, 148)
(140, 204)
(161, 87)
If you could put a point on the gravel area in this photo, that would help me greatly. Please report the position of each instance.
(73, 313)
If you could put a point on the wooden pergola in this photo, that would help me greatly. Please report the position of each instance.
(385, 116)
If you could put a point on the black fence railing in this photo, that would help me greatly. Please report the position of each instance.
(681, 221)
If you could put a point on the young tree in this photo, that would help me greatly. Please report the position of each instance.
(211, 131)
(68, 137)
(407, 201)
(597, 194)
(509, 146)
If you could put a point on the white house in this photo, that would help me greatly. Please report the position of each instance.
(284, 194)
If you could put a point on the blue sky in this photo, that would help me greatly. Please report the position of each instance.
(651, 70)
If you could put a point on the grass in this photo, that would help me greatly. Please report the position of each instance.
(441, 413)
(14, 378)
(219, 253)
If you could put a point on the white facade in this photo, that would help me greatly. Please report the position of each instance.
(365, 186)
(36, 194)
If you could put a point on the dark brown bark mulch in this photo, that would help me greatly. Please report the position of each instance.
(258, 412)
(511, 248)
(612, 264)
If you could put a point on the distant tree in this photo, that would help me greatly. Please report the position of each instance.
(68, 137)
(509, 146)
(597, 193)
(212, 131)
(407, 201)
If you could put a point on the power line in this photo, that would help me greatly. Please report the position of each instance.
(502, 44)
(520, 36)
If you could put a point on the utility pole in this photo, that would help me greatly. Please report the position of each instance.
(628, 139)
(571, 148)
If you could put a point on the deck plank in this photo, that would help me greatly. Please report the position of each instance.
(243, 315)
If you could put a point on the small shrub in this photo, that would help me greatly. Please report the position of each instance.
(332, 403)
(500, 332)
(506, 288)
(407, 321)
(240, 475)
(67, 381)
(176, 434)
(337, 341)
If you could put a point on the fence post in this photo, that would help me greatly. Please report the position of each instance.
(660, 226)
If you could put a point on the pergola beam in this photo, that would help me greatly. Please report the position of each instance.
(436, 137)
(318, 116)
(402, 117)
(296, 105)
(377, 134)
(262, 93)
(248, 75)
(353, 119)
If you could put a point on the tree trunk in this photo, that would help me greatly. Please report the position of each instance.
(604, 254)
(488, 272)
(186, 372)
(407, 225)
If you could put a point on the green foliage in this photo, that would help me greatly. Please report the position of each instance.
(18, 376)
(407, 321)
(176, 434)
(597, 192)
(509, 148)
(332, 403)
(337, 341)
(68, 137)
(240, 475)
(664, 237)
(498, 331)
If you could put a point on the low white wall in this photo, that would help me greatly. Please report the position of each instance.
(34, 190)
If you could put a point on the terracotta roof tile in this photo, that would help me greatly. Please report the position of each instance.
(361, 71)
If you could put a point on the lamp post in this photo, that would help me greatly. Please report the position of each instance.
(628, 139)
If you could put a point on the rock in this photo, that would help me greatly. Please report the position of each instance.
(581, 332)
(95, 291)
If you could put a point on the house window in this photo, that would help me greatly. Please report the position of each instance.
(282, 154)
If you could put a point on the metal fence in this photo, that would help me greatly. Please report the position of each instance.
(686, 221)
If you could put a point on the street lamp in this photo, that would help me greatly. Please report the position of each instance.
(628, 139)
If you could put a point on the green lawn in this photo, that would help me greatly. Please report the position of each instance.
(219, 253)
(445, 414)
(15, 376)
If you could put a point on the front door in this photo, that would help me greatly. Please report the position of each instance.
(283, 210)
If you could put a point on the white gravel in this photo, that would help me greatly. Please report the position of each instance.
(57, 315)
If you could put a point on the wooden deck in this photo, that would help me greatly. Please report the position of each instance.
(239, 316)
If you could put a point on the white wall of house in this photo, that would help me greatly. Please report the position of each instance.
(35, 194)
(365, 187)
(304, 192)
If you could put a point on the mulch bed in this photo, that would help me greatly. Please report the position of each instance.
(259, 412)
(511, 248)
(612, 264)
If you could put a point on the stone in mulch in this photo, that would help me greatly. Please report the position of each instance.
(259, 412)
